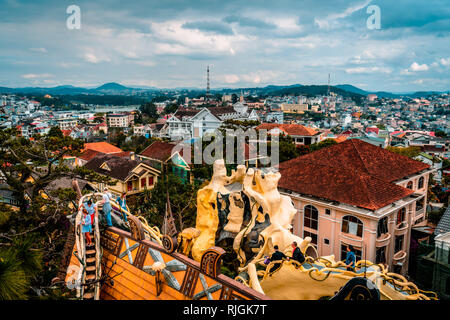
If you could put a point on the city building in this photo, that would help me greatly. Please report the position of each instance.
(354, 193)
(120, 120)
(130, 176)
(302, 135)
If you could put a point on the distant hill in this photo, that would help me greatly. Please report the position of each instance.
(314, 90)
(113, 86)
(350, 88)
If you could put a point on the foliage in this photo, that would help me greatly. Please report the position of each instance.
(13, 281)
(149, 109)
(435, 216)
(32, 240)
(171, 108)
(152, 203)
(288, 149)
(137, 144)
(440, 133)
(322, 144)
(410, 152)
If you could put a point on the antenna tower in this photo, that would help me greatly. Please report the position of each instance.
(207, 83)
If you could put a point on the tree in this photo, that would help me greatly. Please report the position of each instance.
(410, 152)
(322, 144)
(171, 108)
(183, 198)
(149, 109)
(440, 133)
(31, 241)
(55, 132)
(287, 148)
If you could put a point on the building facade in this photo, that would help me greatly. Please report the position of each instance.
(358, 195)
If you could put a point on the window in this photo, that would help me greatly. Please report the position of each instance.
(419, 204)
(398, 243)
(143, 183)
(311, 217)
(401, 215)
(358, 252)
(380, 255)
(409, 185)
(420, 184)
(129, 186)
(312, 235)
(382, 226)
(328, 211)
(150, 181)
(352, 225)
(326, 241)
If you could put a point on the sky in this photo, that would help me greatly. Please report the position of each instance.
(252, 43)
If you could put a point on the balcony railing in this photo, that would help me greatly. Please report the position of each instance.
(399, 256)
(383, 240)
(401, 228)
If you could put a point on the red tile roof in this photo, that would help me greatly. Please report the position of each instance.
(103, 147)
(158, 150)
(352, 172)
(290, 129)
(88, 154)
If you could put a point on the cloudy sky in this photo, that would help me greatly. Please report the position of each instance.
(247, 43)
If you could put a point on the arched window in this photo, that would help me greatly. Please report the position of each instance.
(311, 217)
(352, 225)
(420, 184)
(410, 185)
(401, 215)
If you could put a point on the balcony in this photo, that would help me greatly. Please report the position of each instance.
(399, 256)
(383, 240)
(351, 239)
(401, 228)
(419, 212)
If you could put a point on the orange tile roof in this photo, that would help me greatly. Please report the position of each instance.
(290, 129)
(103, 147)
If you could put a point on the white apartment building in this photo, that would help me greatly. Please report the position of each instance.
(120, 120)
(194, 123)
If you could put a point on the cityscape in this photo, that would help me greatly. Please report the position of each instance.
(183, 163)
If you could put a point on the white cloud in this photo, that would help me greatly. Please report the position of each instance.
(418, 67)
(42, 50)
(231, 78)
(35, 76)
(359, 70)
(331, 21)
(146, 63)
(445, 62)
(92, 58)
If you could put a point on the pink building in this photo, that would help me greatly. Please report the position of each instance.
(355, 193)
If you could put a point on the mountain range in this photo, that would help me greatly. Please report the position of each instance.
(114, 88)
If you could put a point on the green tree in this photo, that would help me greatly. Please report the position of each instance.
(31, 241)
(55, 132)
(322, 144)
(410, 152)
(149, 109)
(171, 108)
(183, 198)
